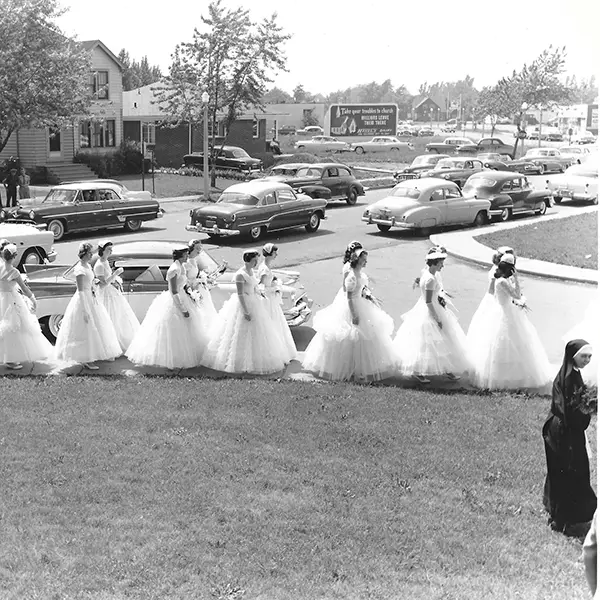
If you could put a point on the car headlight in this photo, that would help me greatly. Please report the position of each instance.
(366, 213)
(32, 214)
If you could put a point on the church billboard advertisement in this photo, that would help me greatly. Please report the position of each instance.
(363, 119)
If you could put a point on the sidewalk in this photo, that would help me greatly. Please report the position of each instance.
(464, 245)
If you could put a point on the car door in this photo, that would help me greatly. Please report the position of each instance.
(331, 179)
(517, 193)
(292, 211)
(437, 200)
(269, 211)
(113, 207)
(88, 211)
(457, 210)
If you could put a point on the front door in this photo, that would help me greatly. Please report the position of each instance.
(54, 143)
(89, 210)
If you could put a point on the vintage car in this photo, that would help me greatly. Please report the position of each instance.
(486, 144)
(577, 154)
(255, 207)
(381, 143)
(145, 264)
(578, 182)
(34, 246)
(86, 206)
(426, 132)
(585, 137)
(227, 158)
(456, 169)
(322, 143)
(448, 146)
(503, 162)
(124, 191)
(404, 131)
(509, 193)
(547, 159)
(287, 130)
(422, 204)
(424, 162)
(310, 130)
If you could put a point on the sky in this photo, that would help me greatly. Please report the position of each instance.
(337, 44)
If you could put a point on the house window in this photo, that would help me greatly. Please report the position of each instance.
(149, 133)
(99, 85)
(97, 134)
(221, 130)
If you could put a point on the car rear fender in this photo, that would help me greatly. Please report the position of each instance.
(419, 214)
(501, 201)
(316, 191)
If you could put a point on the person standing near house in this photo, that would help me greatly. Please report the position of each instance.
(11, 182)
(24, 180)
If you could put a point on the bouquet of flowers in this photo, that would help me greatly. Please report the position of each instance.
(416, 283)
(368, 294)
(522, 303)
(195, 295)
(442, 301)
(587, 400)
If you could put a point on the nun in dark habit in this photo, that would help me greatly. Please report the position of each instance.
(568, 494)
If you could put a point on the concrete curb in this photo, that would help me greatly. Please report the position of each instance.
(463, 245)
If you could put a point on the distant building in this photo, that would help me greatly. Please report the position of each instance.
(578, 118)
(295, 114)
(426, 109)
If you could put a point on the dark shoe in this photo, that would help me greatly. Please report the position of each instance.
(557, 525)
(452, 376)
(15, 366)
(91, 366)
(421, 379)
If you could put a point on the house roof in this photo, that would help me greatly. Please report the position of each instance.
(91, 44)
(419, 100)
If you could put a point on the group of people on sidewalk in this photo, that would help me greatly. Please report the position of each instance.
(16, 185)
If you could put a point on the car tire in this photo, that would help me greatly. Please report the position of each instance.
(359, 150)
(594, 201)
(561, 169)
(505, 215)
(434, 150)
(395, 150)
(557, 199)
(300, 148)
(31, 257)
(480, 219)
(352, 196)
(542, 210)
(50, 327)
(313, 223)
(57, 227)
(384, 228)
(133, 225)
(256, 233)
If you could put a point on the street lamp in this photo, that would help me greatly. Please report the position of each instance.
(205, 144)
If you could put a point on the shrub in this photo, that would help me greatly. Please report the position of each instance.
(126, 160)
(299, 157)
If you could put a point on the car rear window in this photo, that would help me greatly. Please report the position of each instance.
(308, 172)
(476, 183)
(402, 191)
(237, 198)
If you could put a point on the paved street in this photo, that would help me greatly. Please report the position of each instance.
(395, 259)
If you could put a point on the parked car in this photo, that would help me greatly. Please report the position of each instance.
(422, 204)
(554, 136)
(578, 182)
(450, 126)
(34, 246)
(546, 159)
(585, 137)
(337, 178)
(448, 146)
(577, 154)
(145, 264)
(310, 130)
(502, 162)
(456, 169)
(426, 132)
(283, 171)
(404, 131)
(87, 206)
(381, 143)
(255, 207)
(287, 130)
(322, 143)
(421, 163)
(125, 192)
(227, 157)
(509, 193)
(486, 144)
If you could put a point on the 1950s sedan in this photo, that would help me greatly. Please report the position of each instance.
(145, 264)
(578, 182)
(422, 204)
(255, 207)
(85, 206)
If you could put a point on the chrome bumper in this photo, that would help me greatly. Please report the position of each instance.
(572, 195)
(388, 222)
(212, 230)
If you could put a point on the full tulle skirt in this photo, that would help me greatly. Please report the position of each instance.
(168, 339)
(86, 341)
(476, 334)
(342, 351)
(281, 327)
(424, 348)
(206, 305)
(511, 354)
(240, 346)
(21, 339)
(589, 330)
(121, 314)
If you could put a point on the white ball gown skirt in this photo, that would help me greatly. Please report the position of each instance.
(21, 339)
(86, 342)
(281, 327)
(479, 324)
(206, 305)
(121, 314)
(425, 349)
(168, 339)
(342, 351)
(241, 346)
(511, 354)
(589, 330)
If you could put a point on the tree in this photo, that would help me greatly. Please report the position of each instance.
(299, 94)
(136, 74)
(277, 96)
(44, 77)
(308, 118)
(231, 58)
(489, 104)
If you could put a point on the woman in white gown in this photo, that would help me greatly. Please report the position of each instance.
(173, 333)
(511, 355)
(588, 329)
(430, 340)
(244, 339)
(485, 310)
(21, 339)
(353, 335)
(199, 282)
(109, 290)
(86, 333)
(271, 289)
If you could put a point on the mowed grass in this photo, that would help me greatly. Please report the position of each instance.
(251, 489)
(570, 241)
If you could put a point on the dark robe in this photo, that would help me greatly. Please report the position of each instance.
(568, 494)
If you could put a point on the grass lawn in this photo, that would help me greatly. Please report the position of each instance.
(251, 489)
(570, 241)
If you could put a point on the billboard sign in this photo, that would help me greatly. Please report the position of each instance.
(363, 119)
(592, 117)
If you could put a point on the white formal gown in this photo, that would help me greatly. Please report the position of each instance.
(198, 281)
(481, 318)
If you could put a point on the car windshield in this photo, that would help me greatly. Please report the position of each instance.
(535, 152)
(308, 172)
(476, 183)
(420, 161)
(240, 153)
(403, 191)
(60, 197)
(582, 171)
(283, 171)
(237, 198)
(448, 163)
